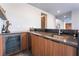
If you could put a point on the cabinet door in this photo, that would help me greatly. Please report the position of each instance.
(37, 46)
(59, 49)
(34, 44)
(1, 45)
(24, 40)
(44, 47)
(50, 48)
(70, 51)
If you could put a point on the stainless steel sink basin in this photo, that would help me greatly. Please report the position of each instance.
(51, 34)
(58, 36)
(65, 38)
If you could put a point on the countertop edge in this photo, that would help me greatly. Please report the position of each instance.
(73, 44)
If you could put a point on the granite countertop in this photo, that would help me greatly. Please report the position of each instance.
(10, 34)
(65, 39)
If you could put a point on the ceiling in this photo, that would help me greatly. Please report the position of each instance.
(54, 7)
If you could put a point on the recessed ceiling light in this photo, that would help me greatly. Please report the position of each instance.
(64, 16)
(58, 11)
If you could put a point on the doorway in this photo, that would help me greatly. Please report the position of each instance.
(68, 26)
(43, 21)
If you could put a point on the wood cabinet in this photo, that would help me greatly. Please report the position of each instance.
(59, 49)
(1, 45)
(38, 45)
(45, 47)
(24, 40)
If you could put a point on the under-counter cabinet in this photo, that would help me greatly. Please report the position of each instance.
(12, 43)
(45, 47)
(38, 46)
(24, 40)
(1, 45)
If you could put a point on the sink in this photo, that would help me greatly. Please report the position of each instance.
(64, 38)
(58, 36)
(51, 34)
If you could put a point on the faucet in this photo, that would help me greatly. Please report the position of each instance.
(74, 35)
(59, 30)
